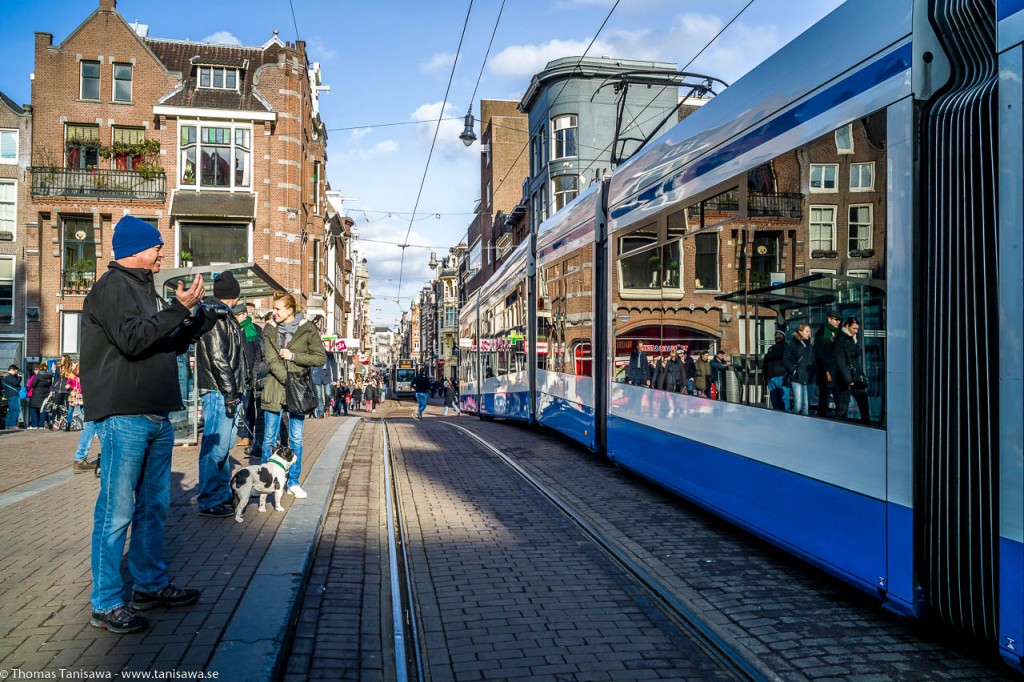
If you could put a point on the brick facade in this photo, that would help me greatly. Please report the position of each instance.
(280, 209)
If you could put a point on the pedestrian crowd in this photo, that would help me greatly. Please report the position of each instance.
(830, 360)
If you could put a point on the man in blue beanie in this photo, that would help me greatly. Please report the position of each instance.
(130, 342)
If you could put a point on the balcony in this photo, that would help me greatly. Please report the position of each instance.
(77, 281)
(98, 183)
(787, 205)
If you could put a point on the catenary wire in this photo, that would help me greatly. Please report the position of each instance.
(433, 142)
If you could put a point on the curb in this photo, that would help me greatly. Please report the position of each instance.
(255, 638)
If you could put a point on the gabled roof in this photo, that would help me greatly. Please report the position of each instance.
(185, 56)
(10, 104)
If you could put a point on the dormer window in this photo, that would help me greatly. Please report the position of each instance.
(218, 77)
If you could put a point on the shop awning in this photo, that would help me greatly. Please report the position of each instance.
(819, 289)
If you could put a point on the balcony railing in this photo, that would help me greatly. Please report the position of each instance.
(76, 282)
(759, 204)
(98, 183)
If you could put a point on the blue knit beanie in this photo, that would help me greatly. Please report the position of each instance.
(132, 235)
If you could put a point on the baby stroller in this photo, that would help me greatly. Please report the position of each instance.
(60, 419)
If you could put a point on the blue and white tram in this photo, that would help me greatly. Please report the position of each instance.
(875, 178)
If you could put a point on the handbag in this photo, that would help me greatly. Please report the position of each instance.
(299, 392)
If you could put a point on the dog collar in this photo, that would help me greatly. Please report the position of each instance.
(275, 460)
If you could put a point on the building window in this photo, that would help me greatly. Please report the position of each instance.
(861, 228)
(823, 177)
(542, 140)
(823, 230)
(6, 289)
(563, 132)
(215, 243)
(316, 187)
(79, 265)
(221, 153)
(706, 262)
(316, 265)
(566, 188)
(122, 82)
(126, 140)
(90, 81)
(82, 143)
(8, 146)
(844, 139)
(451, 318)
(862, 177)
(9, 208)
(218, 78)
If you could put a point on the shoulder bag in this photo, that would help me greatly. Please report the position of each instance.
(300, 394)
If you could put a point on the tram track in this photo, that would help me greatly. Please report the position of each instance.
(718, 645)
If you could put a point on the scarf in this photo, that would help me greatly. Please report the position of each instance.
(287, 331)
(252, 332)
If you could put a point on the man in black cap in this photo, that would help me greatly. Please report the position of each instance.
(775, 373)
(130, 342)
(223, 377)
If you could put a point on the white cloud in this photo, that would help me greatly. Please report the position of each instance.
(222, 38)
(441, 61)
(448, 144)
(359, 133)
(382, 148)
(319, 50)
(526, 60)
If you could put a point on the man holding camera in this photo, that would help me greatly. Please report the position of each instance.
(130, 342)
(223, 377)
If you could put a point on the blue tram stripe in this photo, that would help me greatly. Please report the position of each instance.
(878, 71)
(1007, 8)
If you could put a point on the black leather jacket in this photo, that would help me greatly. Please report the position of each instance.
(221, 362)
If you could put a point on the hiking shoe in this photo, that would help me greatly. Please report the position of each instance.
(218, 511)
(120, 621)
(298, 492)
(81, 466)
(169, 596)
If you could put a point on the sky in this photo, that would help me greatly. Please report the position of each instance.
(388, 64)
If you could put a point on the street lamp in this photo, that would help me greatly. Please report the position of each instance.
(468, 137)
(433, 260)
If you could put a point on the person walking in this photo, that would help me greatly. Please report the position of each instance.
(421, 386)
(39, 385)
(689, 372)
(222, 377)
(11, 385)
(774, 369)
(290, 344)
(673, 372)
(61, 379)
(702, 382)
(638, 371)
(825, 360)
(719, 369)
(800, 368)
(130, 342)
(253, 346)
(450, 399)
(850, 378)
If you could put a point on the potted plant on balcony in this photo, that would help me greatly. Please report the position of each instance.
(186, 258)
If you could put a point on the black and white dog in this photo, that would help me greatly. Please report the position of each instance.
(265, 479)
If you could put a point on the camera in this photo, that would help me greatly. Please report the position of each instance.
(217, 311)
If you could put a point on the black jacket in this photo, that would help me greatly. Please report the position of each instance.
(221, 362)
(41, 384)
(848, 365)
(689, 368)
(130, 342)
(638, 372)
(799, 361)
(673, 374)
(774, 364)
(11, 385)
(658, 375)
(421, 384)
(824, 352)
(449, 396)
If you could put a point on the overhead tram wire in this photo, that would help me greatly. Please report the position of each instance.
(397, 123)
(294, 22)
(433, 142)
(487, 54)
(688, 64)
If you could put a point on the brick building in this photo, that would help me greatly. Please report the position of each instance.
(220, 147)
(17, 268)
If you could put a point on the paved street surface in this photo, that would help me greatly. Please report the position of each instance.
(44, 561)
(499, 578)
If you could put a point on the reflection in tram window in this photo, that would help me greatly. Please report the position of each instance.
(781, 245)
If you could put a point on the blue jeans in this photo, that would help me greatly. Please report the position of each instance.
(779, 394)
(135, 488)
(89, 431)
(13, 411)
(421, 400)
(271, 428)
(219, 433)
(801, 395)
(35, 417)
